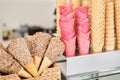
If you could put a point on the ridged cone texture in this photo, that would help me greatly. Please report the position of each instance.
(97, 25)
(109, 26)
(58, 4)
(117, 23)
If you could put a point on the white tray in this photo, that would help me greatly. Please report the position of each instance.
(93, 62)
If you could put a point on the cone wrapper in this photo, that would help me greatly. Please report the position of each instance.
(65, 9)
(83, 45)
(70, 46)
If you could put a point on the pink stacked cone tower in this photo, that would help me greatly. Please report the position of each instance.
(83, 30)
(68, 34)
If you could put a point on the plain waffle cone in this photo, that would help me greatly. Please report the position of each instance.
(76, 3)
(117, 22)
(23, 73)
(85, 2)
(97, 25)
(45, 64)
(58, 4)
(110, 32)
(31, 69)
(37, 61)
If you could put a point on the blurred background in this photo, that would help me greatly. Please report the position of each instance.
(22, 17)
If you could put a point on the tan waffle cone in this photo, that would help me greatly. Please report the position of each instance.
(31, 69)
(45, 64)
(85, 2)
(97, 25)
(37, 61)
(76, 3)
(23, 73)
(117, 22)
(58, 4)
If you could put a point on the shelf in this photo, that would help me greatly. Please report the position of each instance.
(92, 63)
(91, 67)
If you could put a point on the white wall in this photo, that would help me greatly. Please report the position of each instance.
(32, 12)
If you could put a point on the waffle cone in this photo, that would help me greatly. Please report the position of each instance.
(45, 64)
(76, 3)
(85, 2)
(58, 4)
(24, 74)
(31, 69)
(97, 10)
(37, 61)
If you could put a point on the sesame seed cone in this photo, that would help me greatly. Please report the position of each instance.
(11, 66)
(39, 46)
(19, 50)
(55, 49)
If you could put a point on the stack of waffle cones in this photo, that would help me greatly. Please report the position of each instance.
(109, 27)
(97, 25)
(58, 4)
(85, 2)
(117, 23)
(76, 3)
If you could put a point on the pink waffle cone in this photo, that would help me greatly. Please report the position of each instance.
(70, 47)
(67, 27)
(68, 36)
(83, 45)
(67, 18)
(83, 30)
(82, 12)
(84, 26)
(83, 35)
(65, 9)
